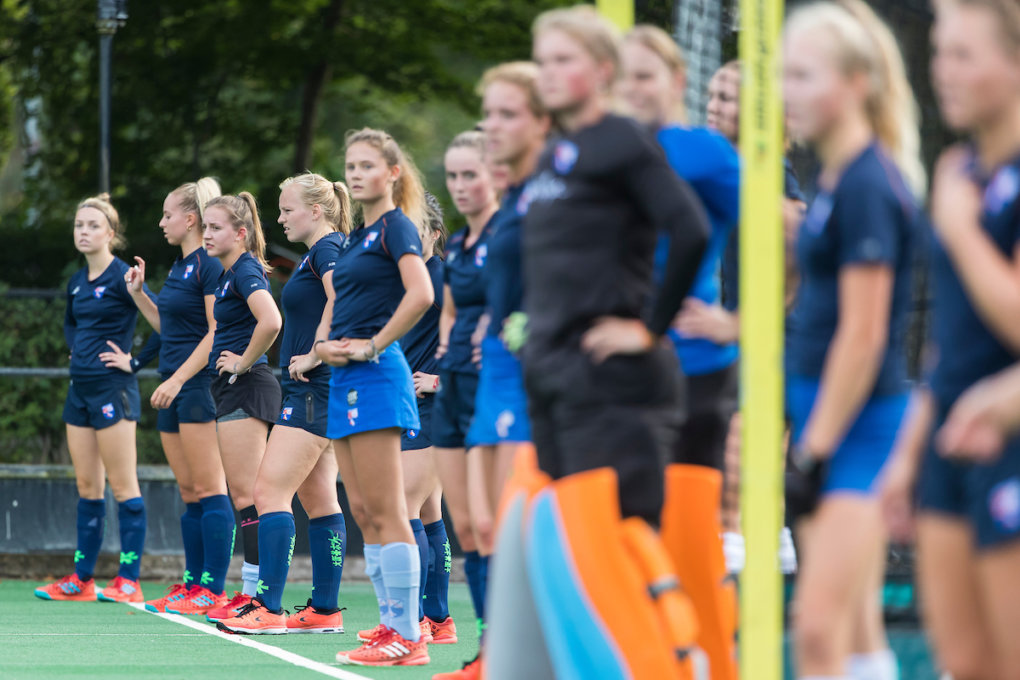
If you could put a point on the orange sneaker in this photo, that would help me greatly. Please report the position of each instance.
(308, 619)
(388, 649)
(199, 602)
(225, 609)
(370, 635)
(443, 632)
(255, 619)
(472, 670)
(174, 593)
(121, 589)
(69, 588)
(426, 630)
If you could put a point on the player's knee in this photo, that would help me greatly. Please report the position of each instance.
(485, 532)
(816, 636)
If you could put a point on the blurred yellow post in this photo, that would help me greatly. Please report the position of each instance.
(761, 338)
(620, 12)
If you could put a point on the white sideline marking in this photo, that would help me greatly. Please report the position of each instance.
(245, 641)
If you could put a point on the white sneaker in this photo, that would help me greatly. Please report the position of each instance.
(787, 553)
(733, 551)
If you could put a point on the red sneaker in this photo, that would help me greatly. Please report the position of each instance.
(389, 649)
(255, 619)
(228, 609)
(443, 632)
(199, 602)
(308, 619)
(121, 589)
(69, 588)
(174, 594)
(472, 670)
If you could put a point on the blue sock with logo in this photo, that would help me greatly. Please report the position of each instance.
(327, 541)
(437, 583)
(423, 563)
(218, 529)
(131, 518)
(399, 562)
(373, 569)
(476, 569)
(91, 523)
(191, 532)
(276, 548)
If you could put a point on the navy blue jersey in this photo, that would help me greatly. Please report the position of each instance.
(731, 259)
(98, 311)
(366, 277)
(967, 350)
(303, 301)
(504, 284)
(709, 163)
(869, 218)
(463, 272)
(422, 341)
(182, 318)
(234, 321)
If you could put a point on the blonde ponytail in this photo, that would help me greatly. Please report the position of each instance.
(864, 44)
(193, 196)
(408, 190)
(332, 197)
(242, 210)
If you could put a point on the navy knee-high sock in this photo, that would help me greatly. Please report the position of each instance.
(276, 548)
(191, 533)
(475, 569)
(131, 517)
(91, 523)
(218, 530)
(437, 583)
(327, 541)
(423, 558)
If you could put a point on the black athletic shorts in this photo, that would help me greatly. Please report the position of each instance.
(711, 402)
(622, 413)
(255, 394)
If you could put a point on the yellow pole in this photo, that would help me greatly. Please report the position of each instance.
(620, 12)
(761, 338)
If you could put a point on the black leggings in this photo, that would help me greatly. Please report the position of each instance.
(711, 402)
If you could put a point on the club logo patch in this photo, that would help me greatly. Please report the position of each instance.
(187, 271)
(565, 157)
(303, 263)
(370, 239)
(1004, 504)
(98, 292)
(352, 416)
(286, 413)
(412, 434)
(108, 411)
(223, 291)
(1002, 190)
(480, 254)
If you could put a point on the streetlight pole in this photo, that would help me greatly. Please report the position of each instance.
(111, 14)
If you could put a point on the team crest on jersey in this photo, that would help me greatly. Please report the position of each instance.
(370, 239)
(1004, 504)
(98, 292)
(303, 263)
(223, 291)
(480, 254)
(818, 214)
(108, 411)
(565, 156)
(187, 271)
(286, 413)
(1002, 190)
(352, 397)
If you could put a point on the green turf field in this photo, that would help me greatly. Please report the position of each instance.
(40, 640)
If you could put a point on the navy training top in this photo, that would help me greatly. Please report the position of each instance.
(869, 218)
(97, 311)
(709, 163)
(303, 300)
(182, 318)
(234, 321)
(463, 272)
(420, 343)
(967, 350)
(504, 283)
(366, 277)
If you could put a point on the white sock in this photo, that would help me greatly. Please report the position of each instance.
(733, 551)
(249, 579)
(787, 553)
(880, 665)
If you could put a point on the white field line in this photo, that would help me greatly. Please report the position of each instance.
(245, 641)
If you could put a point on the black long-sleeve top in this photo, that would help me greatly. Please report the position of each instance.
(592, 212)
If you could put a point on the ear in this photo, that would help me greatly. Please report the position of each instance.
(680, 83)
(243, 234)
(316, 211)
(395, 172)
(191, 220)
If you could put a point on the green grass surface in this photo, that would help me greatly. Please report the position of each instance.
(40, 640)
